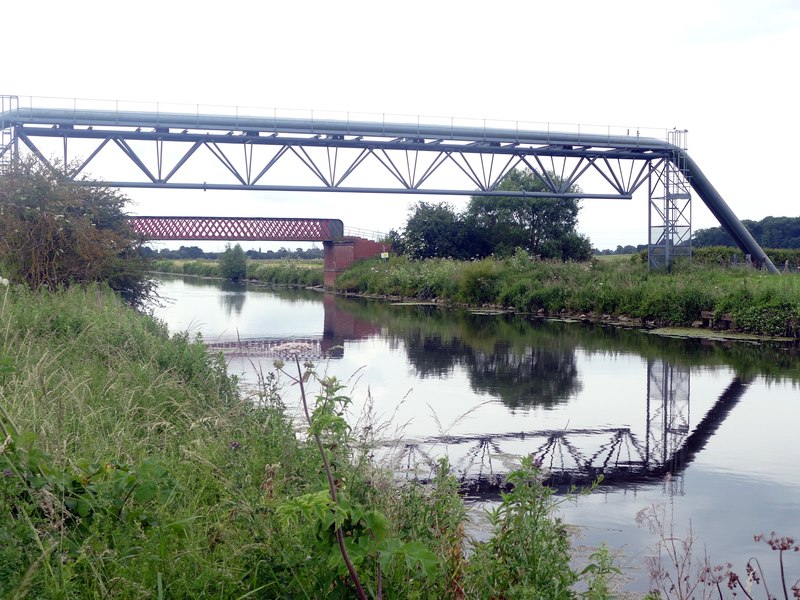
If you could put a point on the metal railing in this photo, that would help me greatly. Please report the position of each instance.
(326, 116)
(368, 234)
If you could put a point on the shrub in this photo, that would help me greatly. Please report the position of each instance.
(55, 233)
(479, 281)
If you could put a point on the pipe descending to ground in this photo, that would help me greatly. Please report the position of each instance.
(718, 207)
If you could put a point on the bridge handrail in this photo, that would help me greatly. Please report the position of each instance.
(368, 234)
(120, 112)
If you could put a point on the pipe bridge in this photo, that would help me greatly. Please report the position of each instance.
(160, 146)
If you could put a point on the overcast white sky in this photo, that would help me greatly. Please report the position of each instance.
(726, 70)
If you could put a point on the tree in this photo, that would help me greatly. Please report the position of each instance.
(433, 230)
(542, 226)
(55, 233)
(233, 263)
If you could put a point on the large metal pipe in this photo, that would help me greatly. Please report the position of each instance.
(718, 207)
(112, 118)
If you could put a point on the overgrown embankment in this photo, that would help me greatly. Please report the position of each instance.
(754, 302)
(130, 467)
(281, 272)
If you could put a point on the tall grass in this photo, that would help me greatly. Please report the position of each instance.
(119, 468)
(757, 302)
(131, 467)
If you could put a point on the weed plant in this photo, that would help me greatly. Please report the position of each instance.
(676, 570)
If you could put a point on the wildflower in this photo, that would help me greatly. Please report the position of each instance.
(4, 281)
(235, 445)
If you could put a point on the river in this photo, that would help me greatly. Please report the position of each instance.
(708, 431)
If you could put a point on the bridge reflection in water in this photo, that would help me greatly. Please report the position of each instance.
(664, 444)
(578, 457)
(339, 327)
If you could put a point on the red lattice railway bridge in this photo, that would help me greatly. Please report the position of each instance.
(339, 251)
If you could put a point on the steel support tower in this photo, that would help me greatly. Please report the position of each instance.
(670, 215)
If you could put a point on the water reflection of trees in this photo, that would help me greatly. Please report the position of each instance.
(535, 377)
(531, 362)
(233, 297)
(430, 333)
(522, 371)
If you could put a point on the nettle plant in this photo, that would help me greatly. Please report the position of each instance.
(354, 539)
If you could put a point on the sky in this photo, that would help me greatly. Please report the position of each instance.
(725, 70)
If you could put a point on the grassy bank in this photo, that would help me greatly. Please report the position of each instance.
(757, 303)
(131, 467)
(281, 272)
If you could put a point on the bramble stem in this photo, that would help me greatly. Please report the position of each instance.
(331, 486)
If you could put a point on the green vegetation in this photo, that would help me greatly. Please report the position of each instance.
(131, 467)
(55, 233)
(544, 227)
(195, 252)
(769, 232)
(233, 263)
(756, 302)
(281, 272)
(723, 256)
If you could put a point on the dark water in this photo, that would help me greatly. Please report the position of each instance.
(709, 431)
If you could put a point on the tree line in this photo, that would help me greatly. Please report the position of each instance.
(544, 227)
(769, 232)
(197, 253)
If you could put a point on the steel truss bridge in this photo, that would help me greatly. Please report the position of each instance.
(159, 148)
(237, 228)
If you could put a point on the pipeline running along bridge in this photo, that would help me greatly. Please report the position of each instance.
(158, 148)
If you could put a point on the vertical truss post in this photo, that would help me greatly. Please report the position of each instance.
(670, 214)
(9, 149)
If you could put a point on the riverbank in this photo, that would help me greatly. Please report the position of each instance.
(132, 466)
(280, 272)
(740, 300)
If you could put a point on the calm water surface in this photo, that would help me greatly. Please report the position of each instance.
(709, 431)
